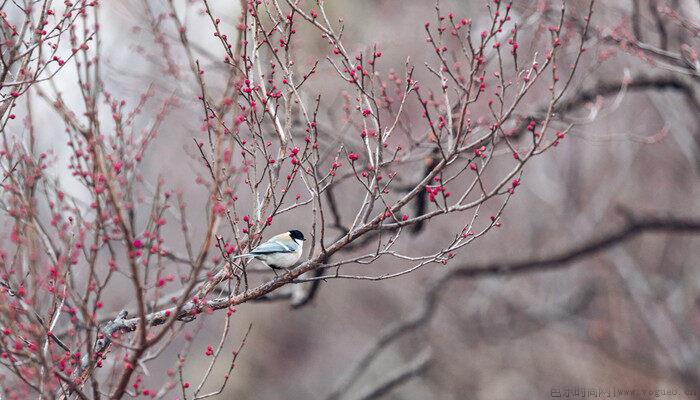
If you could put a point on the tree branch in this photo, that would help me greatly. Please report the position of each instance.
(635, 226)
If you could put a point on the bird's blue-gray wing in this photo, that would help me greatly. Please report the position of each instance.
(273, 247)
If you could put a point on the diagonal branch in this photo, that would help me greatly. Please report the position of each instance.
(635, 226)
(398, 377)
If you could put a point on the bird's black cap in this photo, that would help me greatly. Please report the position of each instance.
(295, 234)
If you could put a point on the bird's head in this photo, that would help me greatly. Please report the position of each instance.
(296, 235)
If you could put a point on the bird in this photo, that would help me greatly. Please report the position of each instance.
(280, 251)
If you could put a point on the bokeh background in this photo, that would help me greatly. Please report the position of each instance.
(627, 318)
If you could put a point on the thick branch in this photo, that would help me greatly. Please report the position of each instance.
(637, 83)
(635, 226)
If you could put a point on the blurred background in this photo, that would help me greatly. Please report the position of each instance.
(627, 318)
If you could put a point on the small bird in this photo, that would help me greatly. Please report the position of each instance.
(279, 252)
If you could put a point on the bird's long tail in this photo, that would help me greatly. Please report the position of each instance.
(244, 255)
